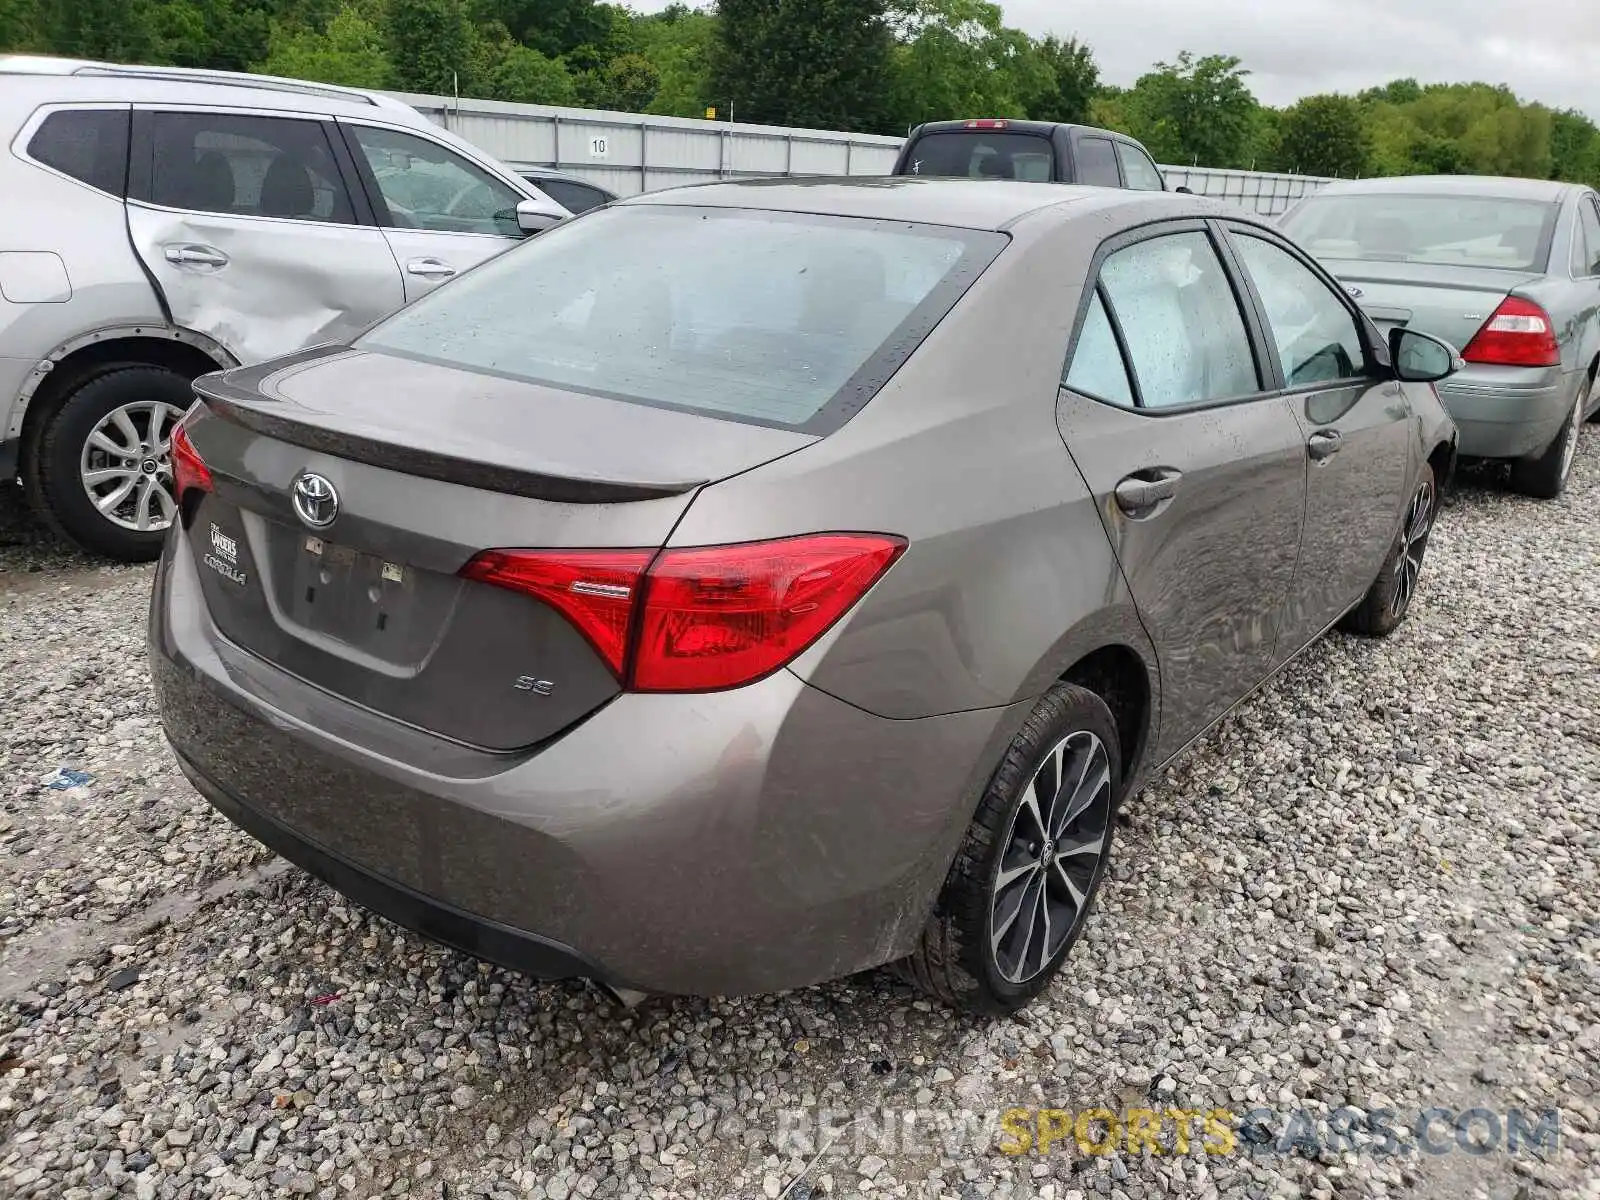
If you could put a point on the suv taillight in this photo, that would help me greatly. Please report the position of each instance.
(189, 470)
(699, 619)
(1519, 334)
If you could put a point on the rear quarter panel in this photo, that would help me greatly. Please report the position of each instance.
(1009, 578)
(86, 230)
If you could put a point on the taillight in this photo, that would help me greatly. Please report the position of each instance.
(1519, 334)
(594, 589)
(986, 123)
(189, 470)
(699, 619)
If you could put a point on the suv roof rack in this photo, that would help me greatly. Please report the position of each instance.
(43, 65)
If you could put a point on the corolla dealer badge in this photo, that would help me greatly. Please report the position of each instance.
(223, 557)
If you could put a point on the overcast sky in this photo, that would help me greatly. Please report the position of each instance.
(1546, 50)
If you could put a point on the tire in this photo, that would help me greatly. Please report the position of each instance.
(957, 960)
(1389, 598)
(1545, 476)
(54, 470)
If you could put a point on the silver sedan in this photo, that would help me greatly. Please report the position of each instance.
(1507, 270)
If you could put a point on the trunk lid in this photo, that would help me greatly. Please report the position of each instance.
(429, 466)
(1447, 301)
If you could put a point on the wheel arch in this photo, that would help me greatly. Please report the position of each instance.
(74, 361)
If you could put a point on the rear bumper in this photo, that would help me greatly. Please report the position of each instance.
(730, 843)
(1508, 412)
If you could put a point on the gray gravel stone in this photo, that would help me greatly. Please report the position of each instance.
(1376, 883)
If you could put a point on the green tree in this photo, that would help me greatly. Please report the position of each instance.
(1073, 80)
(816, 63)
(679, 42)
(1574, 148)
(626, 83)
(430, 44)
(1195, 111)
(21, 26)
(350, 52)
(1325, 135)
(955, 58)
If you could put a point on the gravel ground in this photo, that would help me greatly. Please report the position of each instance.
(1376, 886)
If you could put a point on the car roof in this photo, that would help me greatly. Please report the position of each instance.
(995, 204)
(1454, 185)
(1044, 128)
(87, 79)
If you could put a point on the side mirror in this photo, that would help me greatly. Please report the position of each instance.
(535, 216)
(1422, 358)
(1187, 191)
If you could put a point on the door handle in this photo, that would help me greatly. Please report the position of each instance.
(430, 268)
(1324, 443)
(1140, 493)
(196, 256)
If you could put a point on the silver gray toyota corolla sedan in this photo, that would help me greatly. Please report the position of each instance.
(744, 585)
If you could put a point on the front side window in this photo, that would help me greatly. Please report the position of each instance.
(984, 155)
(765, 317)
(1140, 172)
(1318, 340)
(91, 145)
(1180, 320)
(426, 186)
(246, 166)
(1097, 163)
(1467, 231)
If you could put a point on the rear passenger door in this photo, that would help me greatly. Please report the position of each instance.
(1200, 475)
(250, 228)
(442, 213)
(1094, 161)
(1357, 426)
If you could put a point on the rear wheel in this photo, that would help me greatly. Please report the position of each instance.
(1545, 477)
(1389, 598)
(101, 470)
(1024, 880)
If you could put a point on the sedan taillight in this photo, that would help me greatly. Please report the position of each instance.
(189, 470)
(699, 619)
(1518, 334)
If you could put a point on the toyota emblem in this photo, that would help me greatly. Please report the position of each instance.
(316, 502)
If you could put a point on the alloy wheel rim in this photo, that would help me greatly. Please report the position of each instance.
(1413, 545)
(1569, 452)
(126, 466)
(1053, 851)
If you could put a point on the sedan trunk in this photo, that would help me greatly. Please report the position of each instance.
(1447, 301)
(428, 466)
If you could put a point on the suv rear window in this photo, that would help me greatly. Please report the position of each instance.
(91, 145)
(779, 319)
(984, 154)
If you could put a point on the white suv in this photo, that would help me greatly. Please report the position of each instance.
(162, 223)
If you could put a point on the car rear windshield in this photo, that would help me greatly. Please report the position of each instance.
(774, 318)
(984, 154)
(1471, 231)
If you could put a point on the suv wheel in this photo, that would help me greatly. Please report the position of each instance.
(1024, 880)
(101, 468)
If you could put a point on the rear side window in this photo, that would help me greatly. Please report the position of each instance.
(1180, 320)
(574, 197)
(1587, 255)
(779, 319)
(1097, 163)
(91, 145)
(246, 166)
(984, 154)
(1096, 368)
(1140, 172)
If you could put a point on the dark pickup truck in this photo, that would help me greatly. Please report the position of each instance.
(1034, 151)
